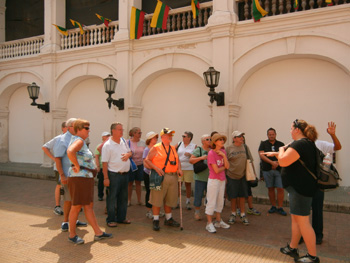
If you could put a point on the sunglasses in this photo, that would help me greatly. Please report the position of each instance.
(86, 128)
(240, 136)
(296, 123)
(184, 136)
(208, 139)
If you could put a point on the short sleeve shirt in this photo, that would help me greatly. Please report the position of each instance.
(202, 176)
(144, 155)
(112, 153)
(50, 145)
(267, 146)
(237, 158)
(60, 151)
(296, 175)
(214, 158)
(137, 150)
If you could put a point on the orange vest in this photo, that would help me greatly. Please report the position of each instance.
(160, 157)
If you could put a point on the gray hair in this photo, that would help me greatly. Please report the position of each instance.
(70, 122)
(204, 136)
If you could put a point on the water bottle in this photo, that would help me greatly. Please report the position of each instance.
(327, 161)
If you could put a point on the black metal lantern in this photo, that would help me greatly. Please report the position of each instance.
(110, 84)
(33, 91)
(211, 78)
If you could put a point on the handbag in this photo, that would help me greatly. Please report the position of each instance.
(133, 166)
(250, 171)
(155, 180)
(201, 165)
(327, 178)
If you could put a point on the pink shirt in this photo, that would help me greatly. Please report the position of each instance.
(214, 158)
(137, 151)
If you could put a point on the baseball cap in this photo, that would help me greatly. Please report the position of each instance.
(237, 134)
(106, 134)
(150, 135)
(166, 131)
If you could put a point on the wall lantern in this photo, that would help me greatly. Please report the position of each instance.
(211, 78)
(33, 91)
(110, 85)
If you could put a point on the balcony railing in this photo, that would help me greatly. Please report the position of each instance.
(22, 47)
(278, 7)
(94, 35)
(180, 19)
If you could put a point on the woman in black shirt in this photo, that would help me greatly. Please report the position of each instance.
(300, 185)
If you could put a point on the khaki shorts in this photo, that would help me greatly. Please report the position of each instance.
(66, 196)
(188, 176)
(57, 178)
(168, 195)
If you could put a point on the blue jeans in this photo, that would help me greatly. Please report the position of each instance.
(199, 188)
(117, 196)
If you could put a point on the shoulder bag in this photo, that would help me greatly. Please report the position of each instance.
(250, 171)
(201, 165)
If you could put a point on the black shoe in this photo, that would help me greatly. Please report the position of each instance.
(100, 199)
(156, 225)
(318, 240)
(293, 252)
(171, 222)
(307, 259)
(80, 224)
(301, 241)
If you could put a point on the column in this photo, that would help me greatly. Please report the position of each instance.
(135, 114)
(124, 17)
(54, 13)
(223, 12)
(4, 136)
(2, 20)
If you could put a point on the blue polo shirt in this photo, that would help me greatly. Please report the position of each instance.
(60, 150)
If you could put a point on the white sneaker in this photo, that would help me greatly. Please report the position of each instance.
(149, 214)
(210, 228)
(221, 224)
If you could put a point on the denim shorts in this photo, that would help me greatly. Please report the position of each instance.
(299, 205)
(137, 175)
(236, 188)
(273, 178)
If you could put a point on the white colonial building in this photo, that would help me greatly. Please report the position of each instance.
(289, 65)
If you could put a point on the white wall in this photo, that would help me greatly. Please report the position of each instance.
(25, 129)
(314, 90)
(179, 101)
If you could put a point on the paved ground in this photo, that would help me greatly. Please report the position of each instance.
(30, 232)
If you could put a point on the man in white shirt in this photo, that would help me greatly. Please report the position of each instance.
(116, 166)
(317, 200)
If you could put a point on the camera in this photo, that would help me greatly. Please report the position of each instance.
(173, 162)
(61, 191)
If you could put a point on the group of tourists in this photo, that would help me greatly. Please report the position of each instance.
(218, 173)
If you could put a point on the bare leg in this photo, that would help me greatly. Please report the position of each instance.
(91, 218)
(73, 217)
(210, 219)
(155, 210)
(242, 204)
(138, 191)
(57, 195)
(66, 209)
(250, 201)
(308, 233)
(272, 196)
(167, 209)
(233, 205)
(280, 196)
(188, 190)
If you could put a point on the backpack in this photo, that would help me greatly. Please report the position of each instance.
(327, 179)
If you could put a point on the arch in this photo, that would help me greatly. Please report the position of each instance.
(152, 67)
(293, 46)
(70, 77)
(13, 81)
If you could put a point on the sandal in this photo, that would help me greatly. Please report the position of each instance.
(112, 224)
(126, 221)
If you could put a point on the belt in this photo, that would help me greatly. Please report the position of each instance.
(171, 173)
(122, 173)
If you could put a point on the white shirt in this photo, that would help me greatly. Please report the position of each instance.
(112, 154)
(325, 147)
(184, 160)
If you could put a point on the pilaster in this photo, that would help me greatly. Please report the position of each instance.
(4, 136)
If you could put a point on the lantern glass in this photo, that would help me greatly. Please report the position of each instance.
(33, 91)
(211, 77)
(110, 84)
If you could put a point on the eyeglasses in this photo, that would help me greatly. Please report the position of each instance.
(184, 136)
(86, 128)
(240, 136)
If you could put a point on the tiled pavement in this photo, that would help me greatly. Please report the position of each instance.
(30, 232)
